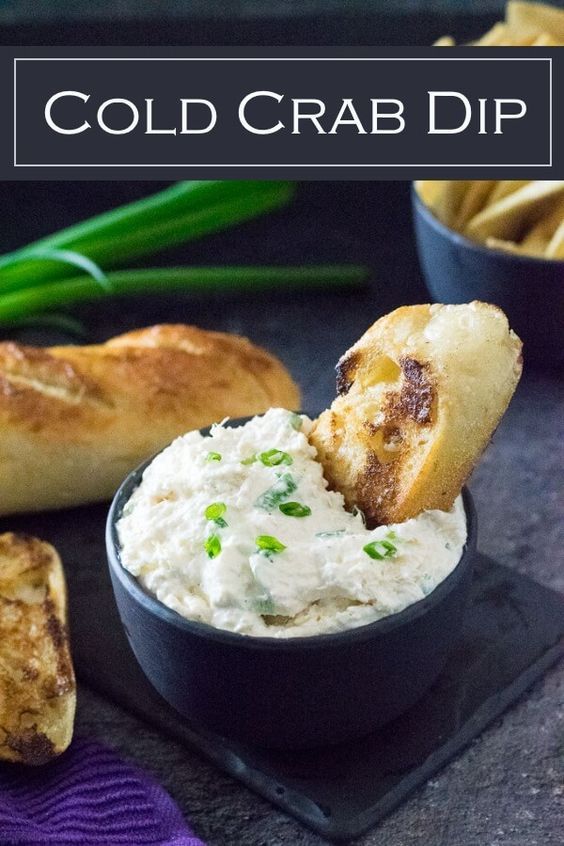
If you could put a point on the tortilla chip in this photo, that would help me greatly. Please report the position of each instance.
(555, 249)
(537, 240)
(474, 199)
(510, 217)
(495, 37)
(535, 18)
(443, 197)
(506, 246)
(505, 187)
(428, 191)
(546, 40)
(525, 25)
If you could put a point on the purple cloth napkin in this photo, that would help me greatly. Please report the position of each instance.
(88, 796)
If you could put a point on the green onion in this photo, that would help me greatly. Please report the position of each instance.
(264, 605)
(276, 494)
(65, 257)
(268, 543)
(213, 456)
(296, 421)
(215, 512)
(250, 460)
(183, 212)
(334, 534)
(380, 549)
(212, 545)
(295, 509)
(18, 304)
(43, 275)
(274, 457)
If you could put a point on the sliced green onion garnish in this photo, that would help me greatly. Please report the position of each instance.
(212, 545)
(215, 512)
(213, 456)
(274, 457)
(250, 460)
(334, 534)
(264, 605)
(296, 421)
(380, 549)
(279, 491)
(268, 543)
(295, 509)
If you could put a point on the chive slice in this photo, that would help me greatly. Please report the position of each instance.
(215, 512)
(250, 460)
(296, 421)
(295, 509)
(276, 494)
(213, 456)
(380, 549)
(265, 606)
(274, 457)
(334, 534)
(212, 545)
(268, 543)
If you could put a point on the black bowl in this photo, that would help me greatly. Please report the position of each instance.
(529, 290)
(297, 692)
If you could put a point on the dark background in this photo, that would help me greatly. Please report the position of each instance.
(245, 22)
(280, 22)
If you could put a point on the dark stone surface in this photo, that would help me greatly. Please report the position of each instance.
(507, 789)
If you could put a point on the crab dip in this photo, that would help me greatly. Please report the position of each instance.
(238, 530)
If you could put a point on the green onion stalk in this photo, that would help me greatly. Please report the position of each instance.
(42, 277)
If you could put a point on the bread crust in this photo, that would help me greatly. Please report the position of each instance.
(420, 395)
(37, 683)
(75, 420)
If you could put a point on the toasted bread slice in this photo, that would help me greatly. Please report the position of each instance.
(37, 684)
(420, 395)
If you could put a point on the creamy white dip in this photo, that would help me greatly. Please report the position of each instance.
(238, 530)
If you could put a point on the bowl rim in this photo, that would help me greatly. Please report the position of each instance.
(206, 631)
(462, 240)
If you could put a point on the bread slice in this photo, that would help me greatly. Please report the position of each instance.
(37, 684)
(420, 395)
(75, 420)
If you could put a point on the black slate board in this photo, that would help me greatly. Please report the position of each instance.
(513, 631)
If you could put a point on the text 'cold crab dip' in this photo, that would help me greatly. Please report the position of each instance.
(238, 530)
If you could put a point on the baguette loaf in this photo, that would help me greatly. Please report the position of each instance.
(75, 420)
(37, 686)
(420, 395)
